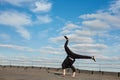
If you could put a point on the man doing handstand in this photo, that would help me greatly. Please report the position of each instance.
(70, 59)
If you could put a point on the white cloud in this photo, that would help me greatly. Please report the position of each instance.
(20, 20)
(17, 2)
(75, 34)
(43, 19)
(80, 39)
(57, 39)
(23, 32)
(69, 27)
(101, 23)
(89, 49)
(115, 7)
(83, 47)
(96, 25)
(108, 19)
(35, 6)
(16, 20)
(21, 48)
(108, 58)
(73, 39)
(84, 33)
(65, 31)
(50, 50)
(42, 6)
(94, 46)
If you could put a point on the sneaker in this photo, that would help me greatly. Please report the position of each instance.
(66, 37)
(93, 58)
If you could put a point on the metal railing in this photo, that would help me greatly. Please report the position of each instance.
(110, 67)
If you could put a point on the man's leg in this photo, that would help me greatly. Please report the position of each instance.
(73, 74)
(64, 72)
(68, 51)
(77, 56)
(64, 67)
(74, 71)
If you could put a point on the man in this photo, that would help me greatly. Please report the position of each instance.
(70, 59)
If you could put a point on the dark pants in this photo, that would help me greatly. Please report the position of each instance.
(73, 68)
(74, 55)
(68, 63)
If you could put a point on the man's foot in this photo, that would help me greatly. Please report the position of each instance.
(73, 74)
(66, 37)
(93, 58)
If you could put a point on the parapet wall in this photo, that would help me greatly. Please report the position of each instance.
(88, 72)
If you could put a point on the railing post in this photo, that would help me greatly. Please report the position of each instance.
(118, 74)
(99, 67)
(79, 71)
(92, 72)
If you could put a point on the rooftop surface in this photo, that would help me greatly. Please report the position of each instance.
(33, 73)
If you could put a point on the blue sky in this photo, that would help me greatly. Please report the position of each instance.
(34, 29)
